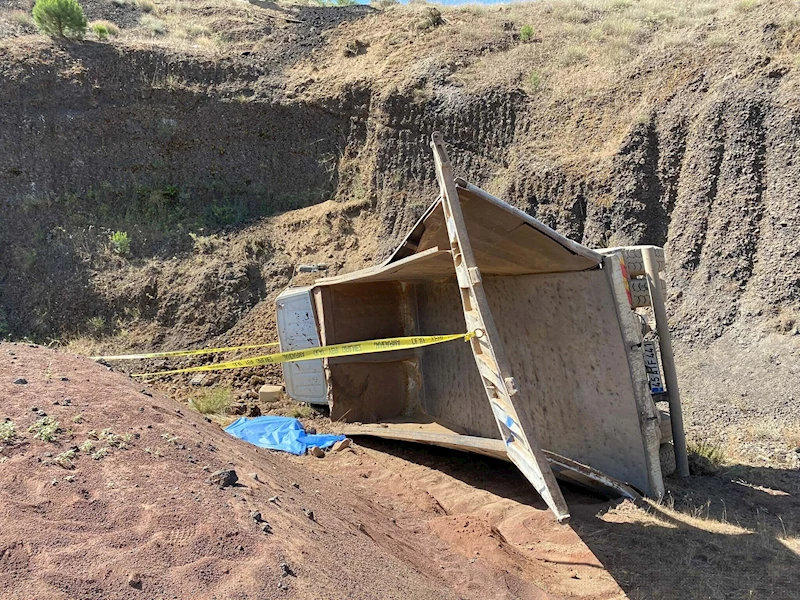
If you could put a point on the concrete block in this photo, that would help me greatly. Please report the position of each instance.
(270, 393)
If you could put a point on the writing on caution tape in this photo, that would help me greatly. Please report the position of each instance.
(351, 349)
(182, 352)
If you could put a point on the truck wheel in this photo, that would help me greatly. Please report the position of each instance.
(666, 455)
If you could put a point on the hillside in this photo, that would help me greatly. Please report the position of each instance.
(158, 188)
(620, 122)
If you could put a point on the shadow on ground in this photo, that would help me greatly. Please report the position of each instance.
(730, 536)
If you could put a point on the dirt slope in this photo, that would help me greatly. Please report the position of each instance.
(142, 521)
(135, 517)
(616, 122)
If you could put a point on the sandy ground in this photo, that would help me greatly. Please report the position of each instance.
(142, 521)
(391, 520)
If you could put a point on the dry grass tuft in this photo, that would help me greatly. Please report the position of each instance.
(301, 411)
(153, 25)
(22, 18)
(214, 401)
(714, 453)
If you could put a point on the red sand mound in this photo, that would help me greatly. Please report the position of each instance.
(118, 505)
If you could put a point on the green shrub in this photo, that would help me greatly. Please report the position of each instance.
(535, 80)
(96, 325)
(120, 243)
(526, 33)
(8, 431)
(45, 429)
(60, 18)
(103, 29)
(100, 30)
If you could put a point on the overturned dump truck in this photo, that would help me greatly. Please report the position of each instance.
(560, 378)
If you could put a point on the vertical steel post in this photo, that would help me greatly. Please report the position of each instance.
(667, 359)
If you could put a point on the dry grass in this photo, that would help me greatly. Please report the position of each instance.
(21, 18)
(153, 25)
(301, 411)
(721, 546)
(714, 453)
(210, 401)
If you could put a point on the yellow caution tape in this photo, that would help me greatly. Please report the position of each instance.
(181, 352)
(352, 349)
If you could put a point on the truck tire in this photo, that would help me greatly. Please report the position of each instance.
(666, 455)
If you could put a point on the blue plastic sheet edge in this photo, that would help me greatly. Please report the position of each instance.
(279, 433)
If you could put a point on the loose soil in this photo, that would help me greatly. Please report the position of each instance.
(390, 520)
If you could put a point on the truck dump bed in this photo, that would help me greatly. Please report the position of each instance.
(556, 379)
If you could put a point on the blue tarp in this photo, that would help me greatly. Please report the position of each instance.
(279, 433)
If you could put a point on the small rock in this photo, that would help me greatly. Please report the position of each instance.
(253, 410)
(238, 408)
(274, 499)
(254, 476)
(256, 516)
(295, 485)
(135, 581)
(65, 379)
(341, 445)
(316, 451)
(309, 514)
(240, 548)
(224, 478)
(48, 454)
(21, 381)
(311, 430)
(286, 570)
(34, 408)
(266, 527)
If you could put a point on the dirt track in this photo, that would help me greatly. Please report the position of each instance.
(391, 520)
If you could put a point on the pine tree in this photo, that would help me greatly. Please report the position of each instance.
(60, 18)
